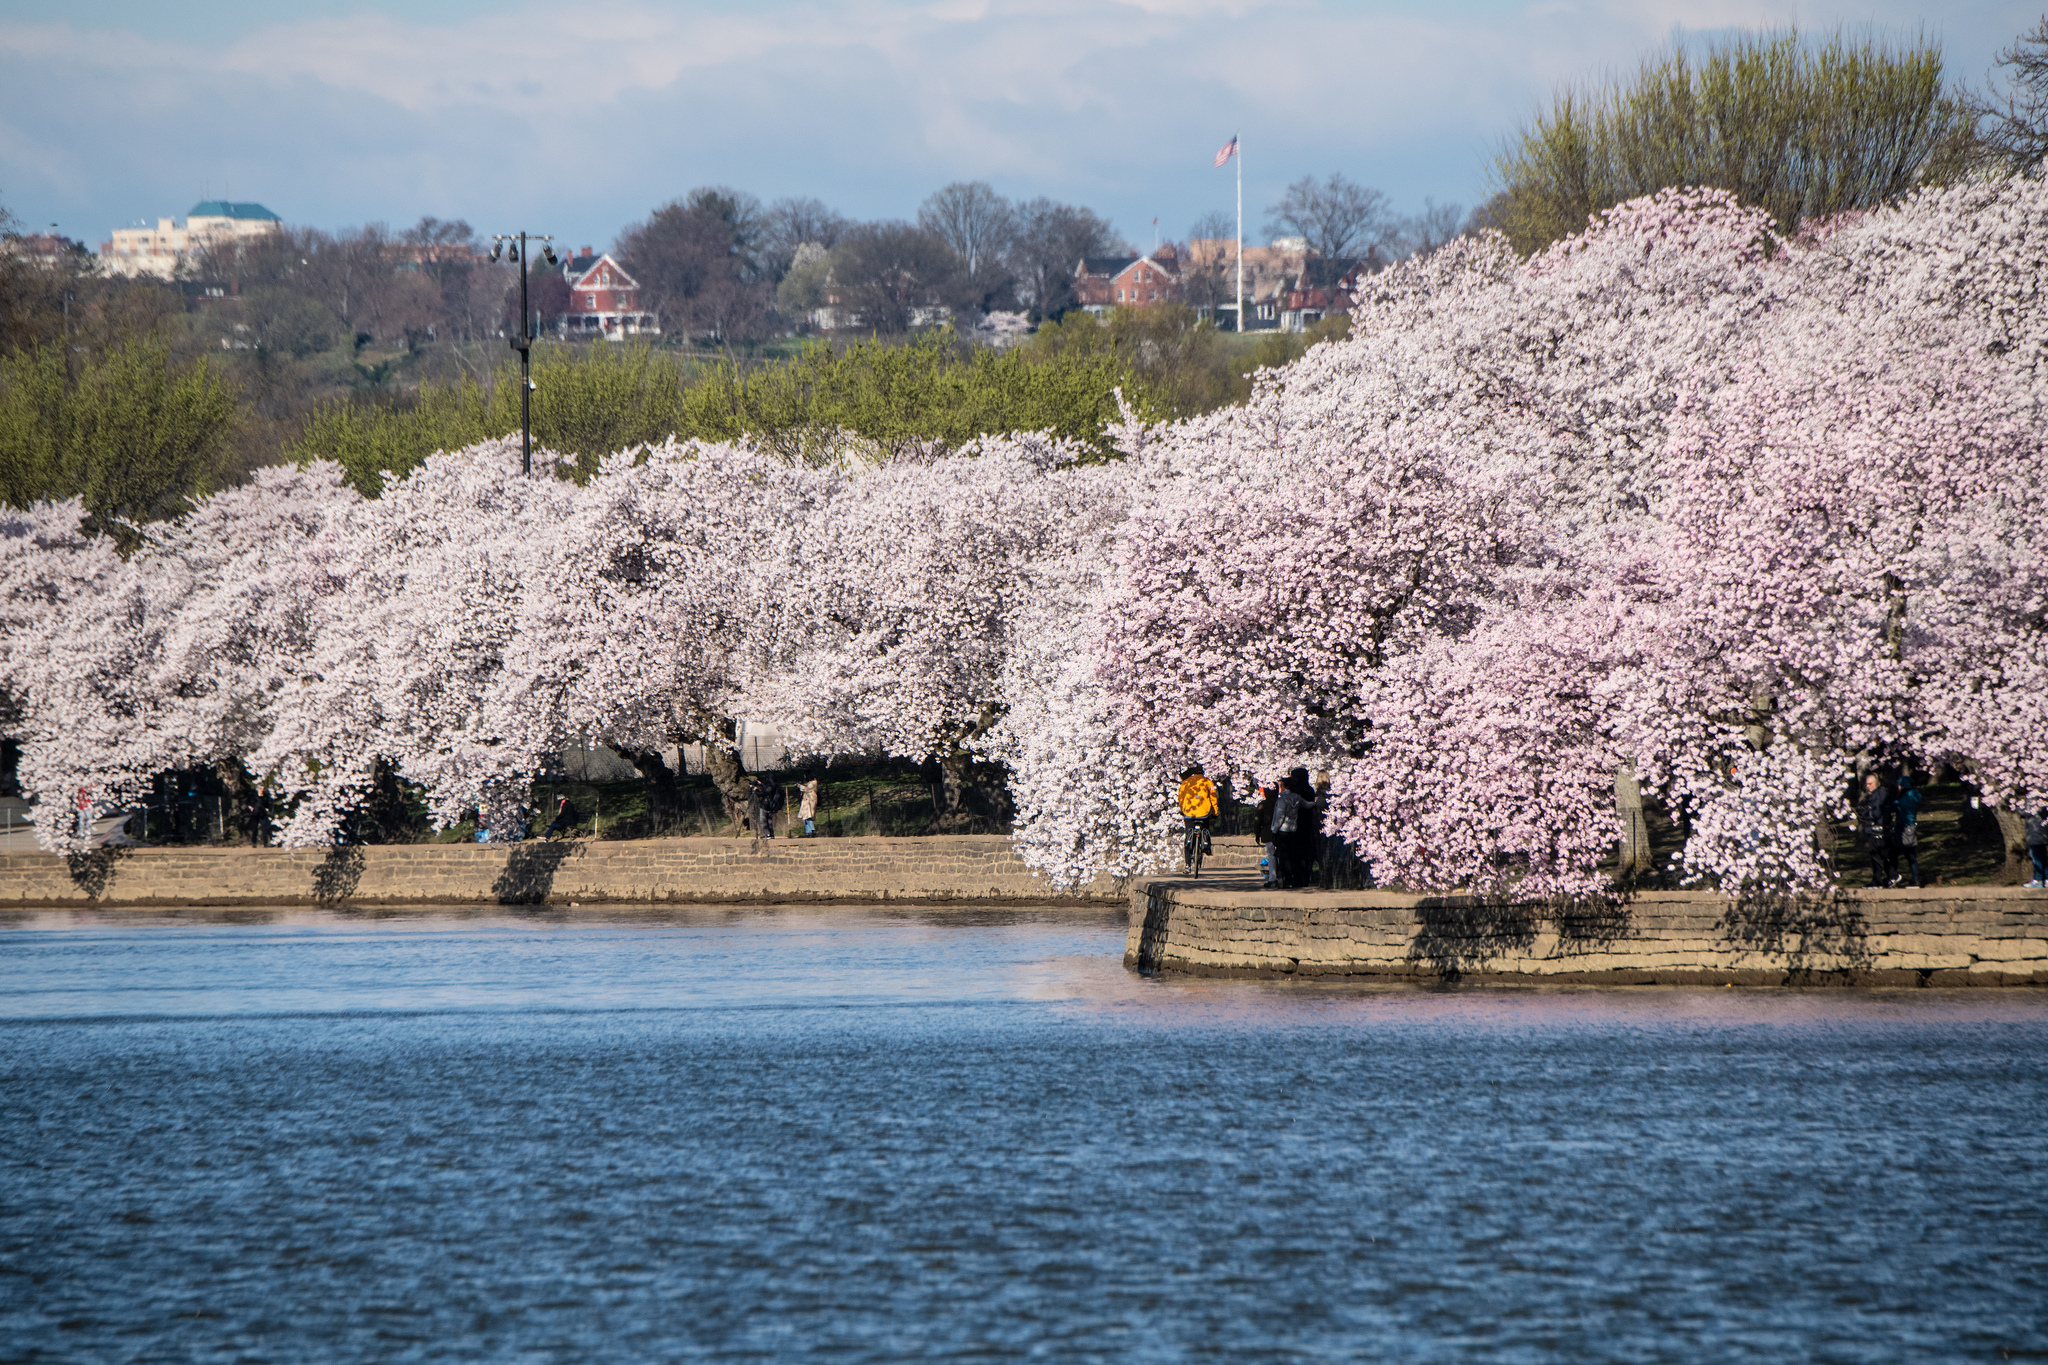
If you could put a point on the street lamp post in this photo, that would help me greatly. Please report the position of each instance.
(522, 340)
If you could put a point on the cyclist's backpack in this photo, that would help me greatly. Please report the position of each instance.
(1287, 813)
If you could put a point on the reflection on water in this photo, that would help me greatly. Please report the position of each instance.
(887, 1135)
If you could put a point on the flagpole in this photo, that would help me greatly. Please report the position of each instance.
(1240, 234)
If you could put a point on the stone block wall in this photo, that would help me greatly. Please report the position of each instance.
(1939, 936)
(942, 868)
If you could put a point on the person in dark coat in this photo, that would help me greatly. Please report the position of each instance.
(1880, 830)
(767, 799)
(1297, 824)
(1908, 802)
(566, 819)
(1314, 842)
(2037, 847)
(1262, 829)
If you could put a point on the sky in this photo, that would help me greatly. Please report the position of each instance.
(577, 119)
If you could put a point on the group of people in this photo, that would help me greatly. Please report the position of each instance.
(1289, 822)
(766, 799)
(1890, 822)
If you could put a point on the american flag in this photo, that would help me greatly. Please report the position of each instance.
(1229, 151)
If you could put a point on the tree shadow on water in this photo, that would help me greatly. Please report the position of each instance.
(529, 873)
(1152, 935)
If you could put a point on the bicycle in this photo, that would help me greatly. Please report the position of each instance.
(1195, 841)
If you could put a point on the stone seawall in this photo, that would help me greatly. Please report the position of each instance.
(1941, 936)
(940, 868)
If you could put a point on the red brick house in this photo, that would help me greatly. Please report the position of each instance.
(1307, 304)
(1105, 282)
(604, 301)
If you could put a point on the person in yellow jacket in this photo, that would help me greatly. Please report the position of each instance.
(1198, 807)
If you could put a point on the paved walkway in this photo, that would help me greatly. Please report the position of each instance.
(16, 836)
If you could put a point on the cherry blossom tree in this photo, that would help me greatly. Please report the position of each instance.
(412, 599)
(169, 658)
(906, 591)
(648, 608)
(1676, 498)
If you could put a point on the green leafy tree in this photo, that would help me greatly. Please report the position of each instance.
(585, 403)
(128, 432)
(1800, 130)
(929, 394)
(924, 396)
(1181, 363)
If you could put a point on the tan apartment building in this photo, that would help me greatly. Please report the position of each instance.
(1270, 272)
(161, 250)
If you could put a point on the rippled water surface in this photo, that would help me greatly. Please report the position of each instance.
(846, 1135)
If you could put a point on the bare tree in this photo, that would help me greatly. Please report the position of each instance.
(888, 274)
(732, 312)
(548, 300)
(2012, 122)
(787, 224)
(1338, 220)
(974, 220)
(444, 252)
(1049, 242)
(343, 270)
(1426, 231)
(1207, 279)
(1215, 225)
(689, 254)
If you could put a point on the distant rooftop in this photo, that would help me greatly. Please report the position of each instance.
(221, 208)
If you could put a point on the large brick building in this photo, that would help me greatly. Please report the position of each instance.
(604, 301)
(1105, 282)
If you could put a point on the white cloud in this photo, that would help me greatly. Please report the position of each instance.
(595, 113)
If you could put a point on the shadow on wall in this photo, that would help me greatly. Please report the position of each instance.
(1816, 935)
(529, 873)
(1455, 937)
(93, 872)
(335, 879)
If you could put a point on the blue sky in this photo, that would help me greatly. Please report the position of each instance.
(579, 118)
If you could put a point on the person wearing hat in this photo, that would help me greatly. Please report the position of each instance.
(566, 818)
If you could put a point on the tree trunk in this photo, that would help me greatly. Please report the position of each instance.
(728, 774)
(2012, 835)
(1635, 830)
(661, 789)
(953, 814)
(955, 774)
(246, 813)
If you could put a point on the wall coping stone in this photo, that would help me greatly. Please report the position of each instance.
(983, 869)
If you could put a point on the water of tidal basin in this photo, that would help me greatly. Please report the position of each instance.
(852, 1135)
